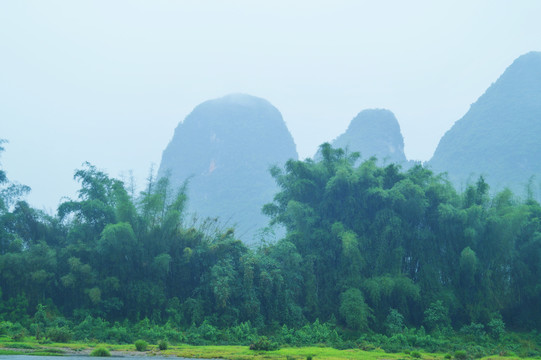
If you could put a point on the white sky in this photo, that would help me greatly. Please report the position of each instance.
(108, 81)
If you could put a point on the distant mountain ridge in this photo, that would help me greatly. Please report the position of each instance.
(225, 147)
(499, 137)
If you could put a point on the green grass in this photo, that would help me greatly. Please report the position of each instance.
(244, 353)
(19, 345)
(45, 353)
(10, 352)
(31, 347)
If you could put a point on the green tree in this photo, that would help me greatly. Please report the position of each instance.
(353, 309)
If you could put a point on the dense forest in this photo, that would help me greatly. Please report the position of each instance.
(372, 255)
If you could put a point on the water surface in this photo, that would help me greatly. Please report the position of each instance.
(87, 357)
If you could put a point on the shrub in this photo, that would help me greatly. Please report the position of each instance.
(173, 336)
(264, 344)
(395, 343)
(245, 334)
(461, 355)
(91, 328)
(208, 331)
(447, 356)
(141, 345)
(474, 331)
(316, 333)
(354, 310)
(19, 336)
(101, 352)
(59, 334)
(496, 328)
(366, 346)
(476, 351)
(309, 357)
(394, 323)
(5, 327)
(437, 316)
(415, 354)
(120, 334)
(163, 345)
(344, 345)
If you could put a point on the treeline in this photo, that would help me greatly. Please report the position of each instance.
(368, 250)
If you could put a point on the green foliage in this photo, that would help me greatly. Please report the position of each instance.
(207, 332)
(92, 328)
(474, 331)
(263, 344)
(163, 345)
(394, 322)
(120, 334)
(496, 328)
(243, 334)
(461, 355)
(141, 345)
(18, 333)
(314, 333)
(354, 310)
(436, 316)
(416, 354)
(395, 343)
(100, 352)
(60, 334)
(376, 253)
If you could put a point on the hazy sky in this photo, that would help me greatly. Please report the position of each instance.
(108, 81)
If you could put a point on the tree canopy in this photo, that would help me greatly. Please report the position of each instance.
(370, 248)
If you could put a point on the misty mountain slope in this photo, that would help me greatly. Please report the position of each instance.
(374, 132)
(226, 147)
(500, 135)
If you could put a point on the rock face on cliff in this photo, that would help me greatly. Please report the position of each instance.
(374, 132)
(499, 137)
(225, 148)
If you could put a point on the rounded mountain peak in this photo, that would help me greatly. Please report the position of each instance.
(241, 99)
(225, 147)
(234, 108)
(374, 132)
(236, 100)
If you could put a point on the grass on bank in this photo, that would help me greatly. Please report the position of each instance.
(31, 346)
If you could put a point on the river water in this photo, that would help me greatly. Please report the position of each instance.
(86, 357)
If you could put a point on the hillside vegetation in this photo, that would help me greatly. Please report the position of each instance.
(372, 257)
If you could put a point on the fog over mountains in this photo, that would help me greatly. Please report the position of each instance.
(374, 132)
(500, 136)
(226, 146)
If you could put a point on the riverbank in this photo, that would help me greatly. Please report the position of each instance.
(32, 347)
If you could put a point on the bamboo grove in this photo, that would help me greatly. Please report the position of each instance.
(366, 248)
